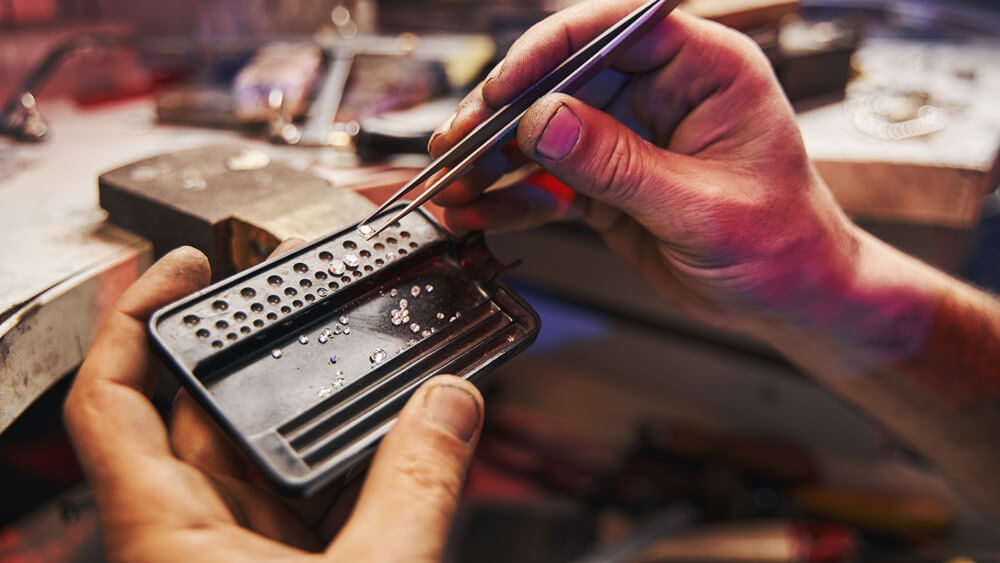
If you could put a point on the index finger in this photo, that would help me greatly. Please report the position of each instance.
(552, 40)
(108, 412)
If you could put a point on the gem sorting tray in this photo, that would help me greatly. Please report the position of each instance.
(306, 359)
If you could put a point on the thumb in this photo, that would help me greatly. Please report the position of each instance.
(599, 157)
(416, 478)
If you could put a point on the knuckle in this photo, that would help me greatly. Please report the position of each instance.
(617, 167)
(428, 478)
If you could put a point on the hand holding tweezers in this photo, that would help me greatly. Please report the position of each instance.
(500, 128)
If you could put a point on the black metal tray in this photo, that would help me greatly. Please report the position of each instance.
(306, 359)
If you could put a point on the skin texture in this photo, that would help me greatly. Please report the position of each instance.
(182, 493)
(685, 156)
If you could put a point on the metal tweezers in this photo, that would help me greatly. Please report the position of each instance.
(501, 127)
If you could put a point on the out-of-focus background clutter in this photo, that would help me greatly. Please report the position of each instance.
(627, 433)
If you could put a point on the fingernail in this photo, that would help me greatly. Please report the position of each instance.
(454, 410)
(560, 134)
(495, 73)
(441, 130)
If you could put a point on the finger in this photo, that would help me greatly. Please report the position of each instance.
(415, 480)
(554, 39)
(286, 245)
(473, 110)
(196, 439)
(522, 206)
(597, 156)
(485, 173)
(108, 413)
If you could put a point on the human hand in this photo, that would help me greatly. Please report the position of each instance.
(183, 494)
(684, 155)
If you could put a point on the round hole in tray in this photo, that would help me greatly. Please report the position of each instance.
(221, 325)
(272, 316)
(240, 316)
(220, 305)
(256, 307)
(275, 280)
(320, 275)
(290, 291)
(191, 320)
(286, 309)
(326, 256)
(217, 344)
(202, 333)
(248, 292)
(258, 323)
(273, 299)
(305, 283)
(350, 244)
(300, 268)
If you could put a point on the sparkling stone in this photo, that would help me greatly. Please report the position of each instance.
(414, 327)
(337, 267)
(322, 339)
(411, 342)
(338, 383)
(366, 232)
(322, 292)
(439, 316)
(415, 290)
(276, 353)
(347, 330)
(344, 319)
(351, 260)
(378, 356)
(390, 256)
(396, 321)
(327, 333)
(429, 288)
(324, 392)
(394, 292)
(303, 339)
(403, 304)
(337, 329)
(333, 358)
(458, 314)
(425, 333)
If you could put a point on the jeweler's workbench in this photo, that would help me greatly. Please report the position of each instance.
(62, 265)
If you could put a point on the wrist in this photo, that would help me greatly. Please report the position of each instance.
(876, 305)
